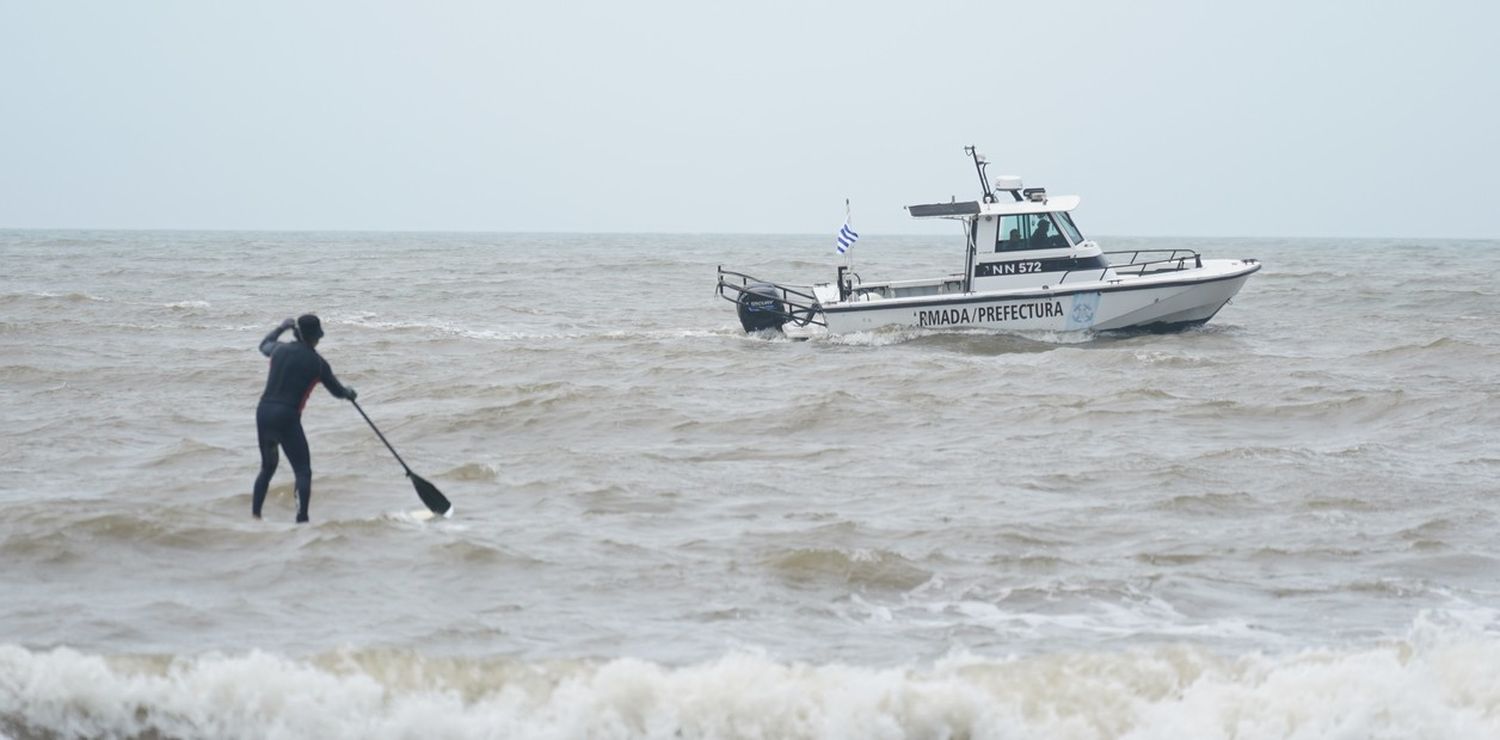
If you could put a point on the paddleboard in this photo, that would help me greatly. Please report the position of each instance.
(422, 515)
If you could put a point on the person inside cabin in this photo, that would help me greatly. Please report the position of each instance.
(1011, 242)
(1040, 237)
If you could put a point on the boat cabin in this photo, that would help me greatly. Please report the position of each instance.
(1013, 244)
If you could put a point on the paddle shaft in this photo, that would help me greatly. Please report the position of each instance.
(381, 436)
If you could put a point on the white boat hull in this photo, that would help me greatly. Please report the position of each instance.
(1027, 267)
(1154, 302)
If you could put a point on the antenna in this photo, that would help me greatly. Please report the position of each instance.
(981, 162)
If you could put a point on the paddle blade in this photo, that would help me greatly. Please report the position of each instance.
(430, 495)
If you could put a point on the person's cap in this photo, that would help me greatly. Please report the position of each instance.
(309, 327)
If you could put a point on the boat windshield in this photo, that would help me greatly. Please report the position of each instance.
(1035, 231)
(1065, 221)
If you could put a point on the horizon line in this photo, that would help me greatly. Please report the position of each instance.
(876, 234)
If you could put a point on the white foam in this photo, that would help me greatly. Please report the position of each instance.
(882, 338)
(70, 296)
(432, 328)
(413, 516)
(1438, 682)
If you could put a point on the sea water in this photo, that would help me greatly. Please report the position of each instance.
(1281, 524)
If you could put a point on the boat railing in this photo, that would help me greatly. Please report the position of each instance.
(804, 307)
(908, 288)
(1175, 260)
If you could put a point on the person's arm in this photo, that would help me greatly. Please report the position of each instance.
(339, 390)
(268, 344)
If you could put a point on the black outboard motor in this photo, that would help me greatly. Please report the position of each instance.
(760, 307)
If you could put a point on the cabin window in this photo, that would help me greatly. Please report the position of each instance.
(1032, 231)
(1044, 232)
(1065, 221)
(1012, 234)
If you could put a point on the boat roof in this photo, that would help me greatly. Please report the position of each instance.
(970, 208)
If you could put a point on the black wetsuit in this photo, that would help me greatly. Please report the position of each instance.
(295, 369)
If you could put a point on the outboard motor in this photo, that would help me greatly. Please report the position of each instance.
(760, 307)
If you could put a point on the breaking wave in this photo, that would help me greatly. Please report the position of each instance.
(1436, 682)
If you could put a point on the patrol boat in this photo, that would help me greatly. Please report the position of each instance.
(1027, 268)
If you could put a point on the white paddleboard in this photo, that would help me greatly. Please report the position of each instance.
(423, 515)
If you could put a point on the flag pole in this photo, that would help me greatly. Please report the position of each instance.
(847, 236)
(849, 253)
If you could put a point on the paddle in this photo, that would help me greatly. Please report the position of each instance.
(429, 493)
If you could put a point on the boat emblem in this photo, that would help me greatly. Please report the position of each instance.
(1084, 307)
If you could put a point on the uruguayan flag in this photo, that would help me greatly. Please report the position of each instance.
(847, 238)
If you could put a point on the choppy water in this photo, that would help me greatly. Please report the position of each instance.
(1280, 525)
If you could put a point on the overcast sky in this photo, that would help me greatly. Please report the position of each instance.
(1263, 118)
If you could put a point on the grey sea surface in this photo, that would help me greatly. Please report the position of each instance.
(1282, 524)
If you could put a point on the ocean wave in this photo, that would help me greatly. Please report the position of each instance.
(1029, 562)
(70, 297)
(468, 551)
(1295, 553)
(330, 534)
(428, 328)
(531, 405)
(50, 548)
(1174, 559)
(1339, 503)
(61, 532)
(93, 240)
(1162, 359)
(1437, 350)
(1436, 682)
(1376, 406)
(46, 529)
(438, 329)
(701, 453)
(186, 449)
(187, 305)
(473, 472)
(1392, 587)
(1208, 503)
(861, 568)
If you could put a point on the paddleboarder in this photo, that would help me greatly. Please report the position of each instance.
(296, 368)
